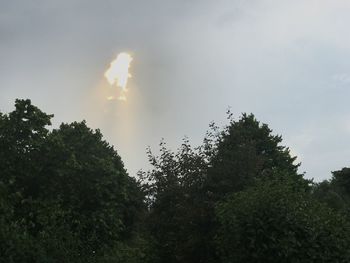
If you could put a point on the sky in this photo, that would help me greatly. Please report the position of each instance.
(288, 62)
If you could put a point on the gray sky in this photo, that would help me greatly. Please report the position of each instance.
(285, 61)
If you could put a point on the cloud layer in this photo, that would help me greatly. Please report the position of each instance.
(285, 61)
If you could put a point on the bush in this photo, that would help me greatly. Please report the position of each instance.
(275, 222)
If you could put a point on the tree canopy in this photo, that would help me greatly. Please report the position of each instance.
(65, 196)
(67, 188)
(277, 222)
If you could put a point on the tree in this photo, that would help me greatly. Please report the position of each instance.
(177, 211)
(67, 189)
(22, 132)
(340, 181)
(184, 187)
(336, 191)
(88, 177)
(279, 222)
(327, 193)
(247, 150)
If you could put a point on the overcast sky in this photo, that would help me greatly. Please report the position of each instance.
(288, 62)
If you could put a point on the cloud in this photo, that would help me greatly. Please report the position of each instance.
(192, 59)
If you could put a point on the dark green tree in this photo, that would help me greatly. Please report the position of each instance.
(22, 133)
(325, 192)
(245, 151)
(184, 187)
(276, 221)
(340, 181)
(88, 177)
(67, 189)
(177, 210)
(336, 191)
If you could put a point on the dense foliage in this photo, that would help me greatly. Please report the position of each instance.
(246, 151)
(66, 193)
(65, 196)
(277, 222)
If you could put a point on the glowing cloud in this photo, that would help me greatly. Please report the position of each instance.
(118, 73)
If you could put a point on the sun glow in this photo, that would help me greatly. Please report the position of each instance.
(118, 73)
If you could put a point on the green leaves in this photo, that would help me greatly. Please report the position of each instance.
(246, 151)
(68, 194)
(278, 223)
(65, 196)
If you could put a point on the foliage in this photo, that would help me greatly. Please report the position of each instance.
(327, 194)
(247, 150)
(276, 222)
(65, 196)
(178, 216)
(335, 192)
(184, 187)
(68, 194)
